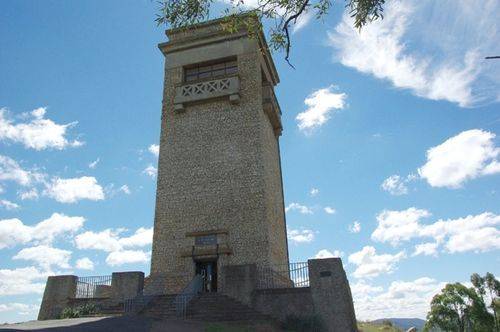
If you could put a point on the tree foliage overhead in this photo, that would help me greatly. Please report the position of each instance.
(283, 13)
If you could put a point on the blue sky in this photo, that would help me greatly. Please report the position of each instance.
(390, 151)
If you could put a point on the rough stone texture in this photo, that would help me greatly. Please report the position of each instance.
(103, 291)
(331, 294)
(282, 302)
(126, 285)
(239, 282)
(55, 297)
(219, 164)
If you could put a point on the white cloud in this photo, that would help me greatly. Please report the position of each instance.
(320, 104)
(107, 240)
(20, 308)
(397, 226)
(125, 189)
(330, 210)
(298, 207)
(401, 299)
(355, 227)
(395, 185)
(110, 241)
(73, 190)
(26, 280)
(39, 133)
(150, 171)
(463, 157)
(300, 236)
(29, 194)
(11, 171)
(127, 257)
(303, 20)
(142, 237)
(369, 264)
(443, 62)
(13, 231)
(84, 264)
(8, 205)
(314, 192)
(426, 249)
(154, 149)
(324, 253)
(45, 256)
(93, 164)
(478, 233)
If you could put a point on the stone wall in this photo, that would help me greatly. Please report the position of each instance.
(331, 294)
(283, 302)
(61, 292)
(55, 297)
(126, 285)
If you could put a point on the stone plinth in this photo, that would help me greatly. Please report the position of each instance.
(240, 281)
(55, 297)
(331, 294)
(126, 285)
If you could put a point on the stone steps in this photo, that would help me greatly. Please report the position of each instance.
(211, 307)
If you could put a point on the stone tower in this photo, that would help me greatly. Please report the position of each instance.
(219, 195)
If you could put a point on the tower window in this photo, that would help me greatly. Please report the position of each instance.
(203, 72)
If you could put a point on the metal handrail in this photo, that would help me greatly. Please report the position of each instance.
(86, 287)
(137, 304)
(293, 275)
(182, 300)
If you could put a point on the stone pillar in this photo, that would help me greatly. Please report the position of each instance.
(55, 297)
(239, 282)
(331, 294)
(126, 285)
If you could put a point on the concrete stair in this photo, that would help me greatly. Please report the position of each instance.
(214, 307)
(116, 309)
(208, 307)
(161, 307)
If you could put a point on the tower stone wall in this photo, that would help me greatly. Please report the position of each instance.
(219, 172)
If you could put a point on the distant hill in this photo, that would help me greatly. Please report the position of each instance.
(404, 323)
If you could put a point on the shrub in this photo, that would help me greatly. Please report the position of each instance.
(80, 311)
(309, 323)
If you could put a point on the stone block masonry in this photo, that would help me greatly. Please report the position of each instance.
(55, 297)
(219, 172)
(61, 292)
(331, 294)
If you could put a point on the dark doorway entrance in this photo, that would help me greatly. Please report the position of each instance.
(208, 270)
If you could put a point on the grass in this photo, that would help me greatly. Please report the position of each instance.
(370, 327)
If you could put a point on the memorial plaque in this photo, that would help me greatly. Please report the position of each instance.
(206, 240)
(323, 274)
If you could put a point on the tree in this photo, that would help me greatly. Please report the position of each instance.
(488, 284)
(459, 308)
(283, 13)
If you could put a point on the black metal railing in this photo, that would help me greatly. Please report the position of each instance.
(91, 287)
(182, 300)
(291, 275)
(137, 304)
